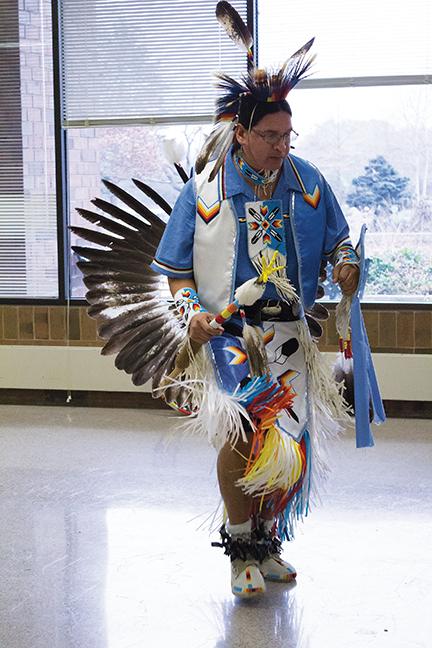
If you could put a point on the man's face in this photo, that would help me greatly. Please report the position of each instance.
(258, 151)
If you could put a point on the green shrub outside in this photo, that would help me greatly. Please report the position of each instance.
(403, 272)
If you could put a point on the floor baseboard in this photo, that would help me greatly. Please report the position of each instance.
(77, 398)
(144, 400)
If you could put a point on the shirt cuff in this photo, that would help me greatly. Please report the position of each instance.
(171, 271)
(343, 253)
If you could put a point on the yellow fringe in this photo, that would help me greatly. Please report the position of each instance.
(267, 467)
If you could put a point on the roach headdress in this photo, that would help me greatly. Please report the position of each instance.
(263, 85)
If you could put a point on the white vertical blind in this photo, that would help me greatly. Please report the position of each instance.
(28, 223)
(135, 61)
(10, 101)
(12, 234)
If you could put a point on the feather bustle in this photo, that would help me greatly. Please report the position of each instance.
(96, 254)
(103, 298)
(140, 352)
(102, 221)
(120, 341)
(150, 333)
(92, 236)
(117, 281)
(134, 239)
(128, 321)
(144, 374)
(139, 360)
(132, 221)
(136, 205)
(154, 195)
(105, 312)
(124, 311)
(100, 285)
(115, 264)
(159, 374)
(123, 292)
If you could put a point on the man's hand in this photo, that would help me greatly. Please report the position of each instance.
(347, 276)
(200, 329)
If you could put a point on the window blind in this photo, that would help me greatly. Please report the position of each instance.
(130, 61)
(368, 40)
(28, 226)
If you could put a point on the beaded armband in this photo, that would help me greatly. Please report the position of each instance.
(188, 304)
(344, 254)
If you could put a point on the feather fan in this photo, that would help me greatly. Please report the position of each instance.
(125, 296)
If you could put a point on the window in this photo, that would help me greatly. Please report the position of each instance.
(120, 153)
(373, 146)
(28, 223)
(130, 68)
(365, 120)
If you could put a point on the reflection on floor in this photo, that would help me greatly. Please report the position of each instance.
(104, 541)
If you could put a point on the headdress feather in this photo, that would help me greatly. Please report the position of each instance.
(234, 26)
(263, 85)
(221, 132)
(225, 145)
(227, 105)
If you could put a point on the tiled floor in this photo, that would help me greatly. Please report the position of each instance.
(100, 546)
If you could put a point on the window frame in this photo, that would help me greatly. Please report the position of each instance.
(61, 185)
(60, 139)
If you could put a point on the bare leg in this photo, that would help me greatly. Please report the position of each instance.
(230, 467)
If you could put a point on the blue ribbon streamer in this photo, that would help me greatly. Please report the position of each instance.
(366, 389)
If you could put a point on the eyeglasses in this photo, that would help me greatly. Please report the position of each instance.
(272, 138)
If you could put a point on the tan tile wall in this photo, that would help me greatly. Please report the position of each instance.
(47, 325)
(405, 331)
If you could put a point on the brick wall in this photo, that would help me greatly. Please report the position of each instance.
(398, 331)
(404, 331)
(47, 325)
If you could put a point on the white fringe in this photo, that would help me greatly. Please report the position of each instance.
(322, 387)
(322, 428)
(191, 381)
(283, 285)
(328, 412)
(343, 316)
(220, 416)
(217, 415)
